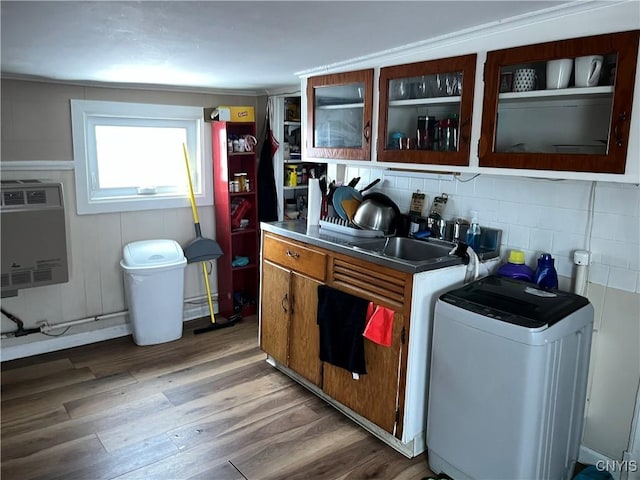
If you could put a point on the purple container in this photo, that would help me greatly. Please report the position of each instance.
(519, 272)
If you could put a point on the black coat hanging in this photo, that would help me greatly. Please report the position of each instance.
(267, 192)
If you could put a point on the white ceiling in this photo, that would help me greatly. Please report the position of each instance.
(240, 45)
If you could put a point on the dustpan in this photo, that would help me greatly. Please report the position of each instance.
(201, 249)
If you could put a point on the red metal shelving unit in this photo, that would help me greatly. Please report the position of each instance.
(235, 241)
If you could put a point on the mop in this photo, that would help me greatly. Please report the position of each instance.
(200, 250)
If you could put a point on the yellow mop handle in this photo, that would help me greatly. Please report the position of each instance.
(197, 220)
(191, 197)
(206, 282)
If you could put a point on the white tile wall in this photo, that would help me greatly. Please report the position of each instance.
(538, 215)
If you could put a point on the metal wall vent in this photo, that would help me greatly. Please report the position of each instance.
(43, 275)
(13, 198)
(20, 278)
(34, 247)
(38, 197)
(18, 182)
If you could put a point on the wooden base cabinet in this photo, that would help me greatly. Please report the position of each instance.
(374, 395)
(289, 305)
(274, 305)
(291, 274)
(288, 331)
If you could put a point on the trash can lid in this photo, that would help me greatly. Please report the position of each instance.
(152, 253)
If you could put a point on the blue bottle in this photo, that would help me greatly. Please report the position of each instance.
(546, 275)
(474, 232)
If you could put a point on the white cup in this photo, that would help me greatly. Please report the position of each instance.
(524, 80)
(559, 73)
(588, 70)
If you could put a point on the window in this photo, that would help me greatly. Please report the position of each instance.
(128, 156)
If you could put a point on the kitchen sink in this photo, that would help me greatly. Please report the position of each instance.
(404, 248)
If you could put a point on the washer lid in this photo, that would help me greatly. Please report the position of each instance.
(515, 301)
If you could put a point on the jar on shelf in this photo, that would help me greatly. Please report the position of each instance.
(448, 135)
(241, 178)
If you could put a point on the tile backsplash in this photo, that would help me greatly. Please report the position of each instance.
(538, 215)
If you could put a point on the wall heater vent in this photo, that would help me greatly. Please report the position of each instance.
(34, 244)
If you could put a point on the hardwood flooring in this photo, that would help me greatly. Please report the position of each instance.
(203, 407)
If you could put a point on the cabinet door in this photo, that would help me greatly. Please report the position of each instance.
(275, 307)
(304, 338)
(375, 394)
(379, 394)
(425, 111)
(562, 105)
(339, 113)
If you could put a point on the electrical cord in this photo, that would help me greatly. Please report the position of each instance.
(458, 179)
(21, 331)
(57, 334)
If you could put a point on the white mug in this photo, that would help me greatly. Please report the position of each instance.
(524, 80)
(559, 73)
(588, 70)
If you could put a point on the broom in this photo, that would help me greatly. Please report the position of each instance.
(200, 250)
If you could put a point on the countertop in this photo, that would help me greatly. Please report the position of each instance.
(336, 242)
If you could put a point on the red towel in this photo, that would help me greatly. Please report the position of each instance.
(379, 327)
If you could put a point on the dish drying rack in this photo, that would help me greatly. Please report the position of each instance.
(340, 225)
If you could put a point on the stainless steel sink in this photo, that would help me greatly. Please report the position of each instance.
(408, 249)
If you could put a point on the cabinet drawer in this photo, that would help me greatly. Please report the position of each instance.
(296, 257)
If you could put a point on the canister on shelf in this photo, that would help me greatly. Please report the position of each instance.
(292, 177)
(242, 181)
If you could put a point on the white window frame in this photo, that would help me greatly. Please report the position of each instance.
(90, 200)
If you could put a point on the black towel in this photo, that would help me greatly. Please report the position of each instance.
(341, 319)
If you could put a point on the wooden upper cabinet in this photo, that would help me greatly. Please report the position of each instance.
(571, 115)
(425, 111)
(339, 115)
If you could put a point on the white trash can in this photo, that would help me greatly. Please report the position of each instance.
(154, 289)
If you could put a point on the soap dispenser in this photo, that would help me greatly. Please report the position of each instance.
(473, 232)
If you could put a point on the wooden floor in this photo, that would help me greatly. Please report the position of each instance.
(205, 407)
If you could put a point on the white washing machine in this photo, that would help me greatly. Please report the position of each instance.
(508, 383)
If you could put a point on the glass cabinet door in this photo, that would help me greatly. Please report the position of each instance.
(560, 105)
(339, 115)
(425, 111)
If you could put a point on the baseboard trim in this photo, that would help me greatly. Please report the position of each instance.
(44, 344)
(84, 334)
